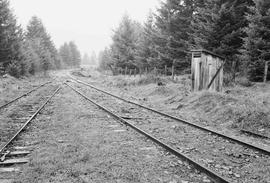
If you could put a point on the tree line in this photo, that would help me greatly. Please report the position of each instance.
(239, 30)
(24, 52)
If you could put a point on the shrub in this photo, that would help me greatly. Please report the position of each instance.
(227, 80)
(244, 82)
(14, 69)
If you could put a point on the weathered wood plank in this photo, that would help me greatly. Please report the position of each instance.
(119, 130)
(204, 67)
(8, 170)
(15, 161)
(18, 153)
(192, 73)
(23, 148)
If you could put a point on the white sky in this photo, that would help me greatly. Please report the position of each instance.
(87, 22)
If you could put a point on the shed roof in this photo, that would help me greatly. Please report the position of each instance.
(207, 52)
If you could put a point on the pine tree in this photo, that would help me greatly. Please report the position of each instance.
(70, 55)
(125, 39)
(174, 23)
(86, 59)
(31, 57)
(105, 60)
(64, 53)
(146, 55)
(11, 40)
(93, 58)
(42, 44)
(75, 55)
(218, 27)
(257, 44)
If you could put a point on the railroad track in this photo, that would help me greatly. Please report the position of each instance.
(16, 120)
(211, 174)
(223, 154)
(253, 146)
(23, 95)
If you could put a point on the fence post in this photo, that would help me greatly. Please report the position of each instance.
(126, 71)
(146, 71)
(165, 70)
(265, 71)
(130, 72)
(140, 70)
(134, 72)
(173, 69)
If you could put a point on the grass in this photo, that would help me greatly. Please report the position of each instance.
(244, 104)
(242, 109)
(122, 81)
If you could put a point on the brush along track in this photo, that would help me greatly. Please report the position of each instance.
(237, 162)
(212, 175)
(19, 117)
(23, 95)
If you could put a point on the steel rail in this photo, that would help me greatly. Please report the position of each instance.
(254, 134)
(29, 120)
(252, 146)
(211, 174)
(25, 94)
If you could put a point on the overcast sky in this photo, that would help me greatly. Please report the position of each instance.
(87, 22)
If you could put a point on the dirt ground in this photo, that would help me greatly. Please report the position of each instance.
(233, 161)
(74, 141)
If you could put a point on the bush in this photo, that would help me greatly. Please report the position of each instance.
(227, 80)
(14, 69)
(244, 82)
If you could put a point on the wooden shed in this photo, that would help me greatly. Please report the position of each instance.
(206, 70)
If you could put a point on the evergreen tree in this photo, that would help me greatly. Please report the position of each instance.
(93, 58)
(146, 54)
(174, 23)
(105, 60)
(70, 55)
(64, 53)
(125, 39)
(218, 27)
(257, 43)
(75, 55)
(86, 59)
(42, 44)
(31, 57)
(11, 40)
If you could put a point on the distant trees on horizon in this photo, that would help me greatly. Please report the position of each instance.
(70, 55)
(90, 60)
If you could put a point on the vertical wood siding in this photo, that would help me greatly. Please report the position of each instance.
(203, 68)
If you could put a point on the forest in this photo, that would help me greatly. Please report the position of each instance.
(239, 30)
(30, 51)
